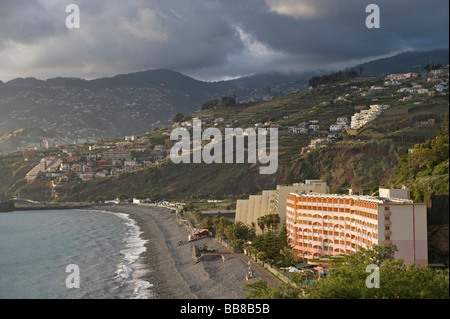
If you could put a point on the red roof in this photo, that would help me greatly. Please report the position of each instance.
(73, 159)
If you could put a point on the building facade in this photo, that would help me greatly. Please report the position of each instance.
(323, 224)
(274, 201)
(360, 119)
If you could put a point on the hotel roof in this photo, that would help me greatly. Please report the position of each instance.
(366, 198)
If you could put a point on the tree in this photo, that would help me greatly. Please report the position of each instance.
(373, 255)
(237, 231)
(429, 159)
(261, 255)
(228, 101)
(275, 220)
(72, 177)
(430, 67)
(221, 223)
(259, 289)
(397, 280)
(178, 117)
(288, 256)
(332, 77)
(271, 221)
(261, 221)
(348, 280)
(208, 223)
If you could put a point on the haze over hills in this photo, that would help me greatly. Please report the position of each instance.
(67, 110)
(413, 61)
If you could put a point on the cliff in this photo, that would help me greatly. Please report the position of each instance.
(7, 206)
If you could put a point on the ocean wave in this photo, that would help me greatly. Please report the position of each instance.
(130, 272)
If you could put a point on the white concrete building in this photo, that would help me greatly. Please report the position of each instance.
(274, 201)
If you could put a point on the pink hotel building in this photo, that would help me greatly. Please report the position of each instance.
(324, 224)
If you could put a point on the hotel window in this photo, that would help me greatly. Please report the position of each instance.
(386, 218)
(387, 228)
(386, 208)
(388, 237)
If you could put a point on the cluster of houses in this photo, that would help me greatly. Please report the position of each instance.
(99, 162)
(313, 126)
(334, 131)
(48, 166)
(305, 127)
(365, 116)
(205, 121)
(433, 77)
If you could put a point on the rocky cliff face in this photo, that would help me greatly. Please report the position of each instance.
(6, 206)
(438, 251)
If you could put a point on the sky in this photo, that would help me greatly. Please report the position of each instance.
(210, 39)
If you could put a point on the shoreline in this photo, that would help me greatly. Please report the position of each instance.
(170, 267)
(26, 206)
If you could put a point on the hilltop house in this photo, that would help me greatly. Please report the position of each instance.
(115, 155)
(72, 159)
(131, 138)
(316, 142)
(402, 76)
(299, 129)
(85, 177)
(131, 163)
(159, 148)
(336, 127)
(365, 116)
(439, 72)
(391, 83)
(342, 120)
(218, 121)
(101, 174)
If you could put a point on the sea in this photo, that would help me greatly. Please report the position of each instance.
(71, 254)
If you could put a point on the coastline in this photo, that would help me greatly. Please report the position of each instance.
(28, 205)
(171, 269)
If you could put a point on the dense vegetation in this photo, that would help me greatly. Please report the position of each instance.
(332, 77)
(425, 170)
(270, 246)
(226, 101)
(349, 279)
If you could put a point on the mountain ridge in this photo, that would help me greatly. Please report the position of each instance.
(128, 104)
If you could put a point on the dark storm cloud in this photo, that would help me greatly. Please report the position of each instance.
(25, 21)
(336, 29)
(208, 38)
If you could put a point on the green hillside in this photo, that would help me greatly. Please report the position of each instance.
(425, 170)
(368, 158)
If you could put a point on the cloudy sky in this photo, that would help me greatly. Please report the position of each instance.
(209, 39)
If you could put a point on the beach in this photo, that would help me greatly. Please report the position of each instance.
(171, 268)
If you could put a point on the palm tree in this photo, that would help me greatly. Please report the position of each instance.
(261, 255)
(272, 221)
(275, 220)
(268, 221)
(261, 221)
